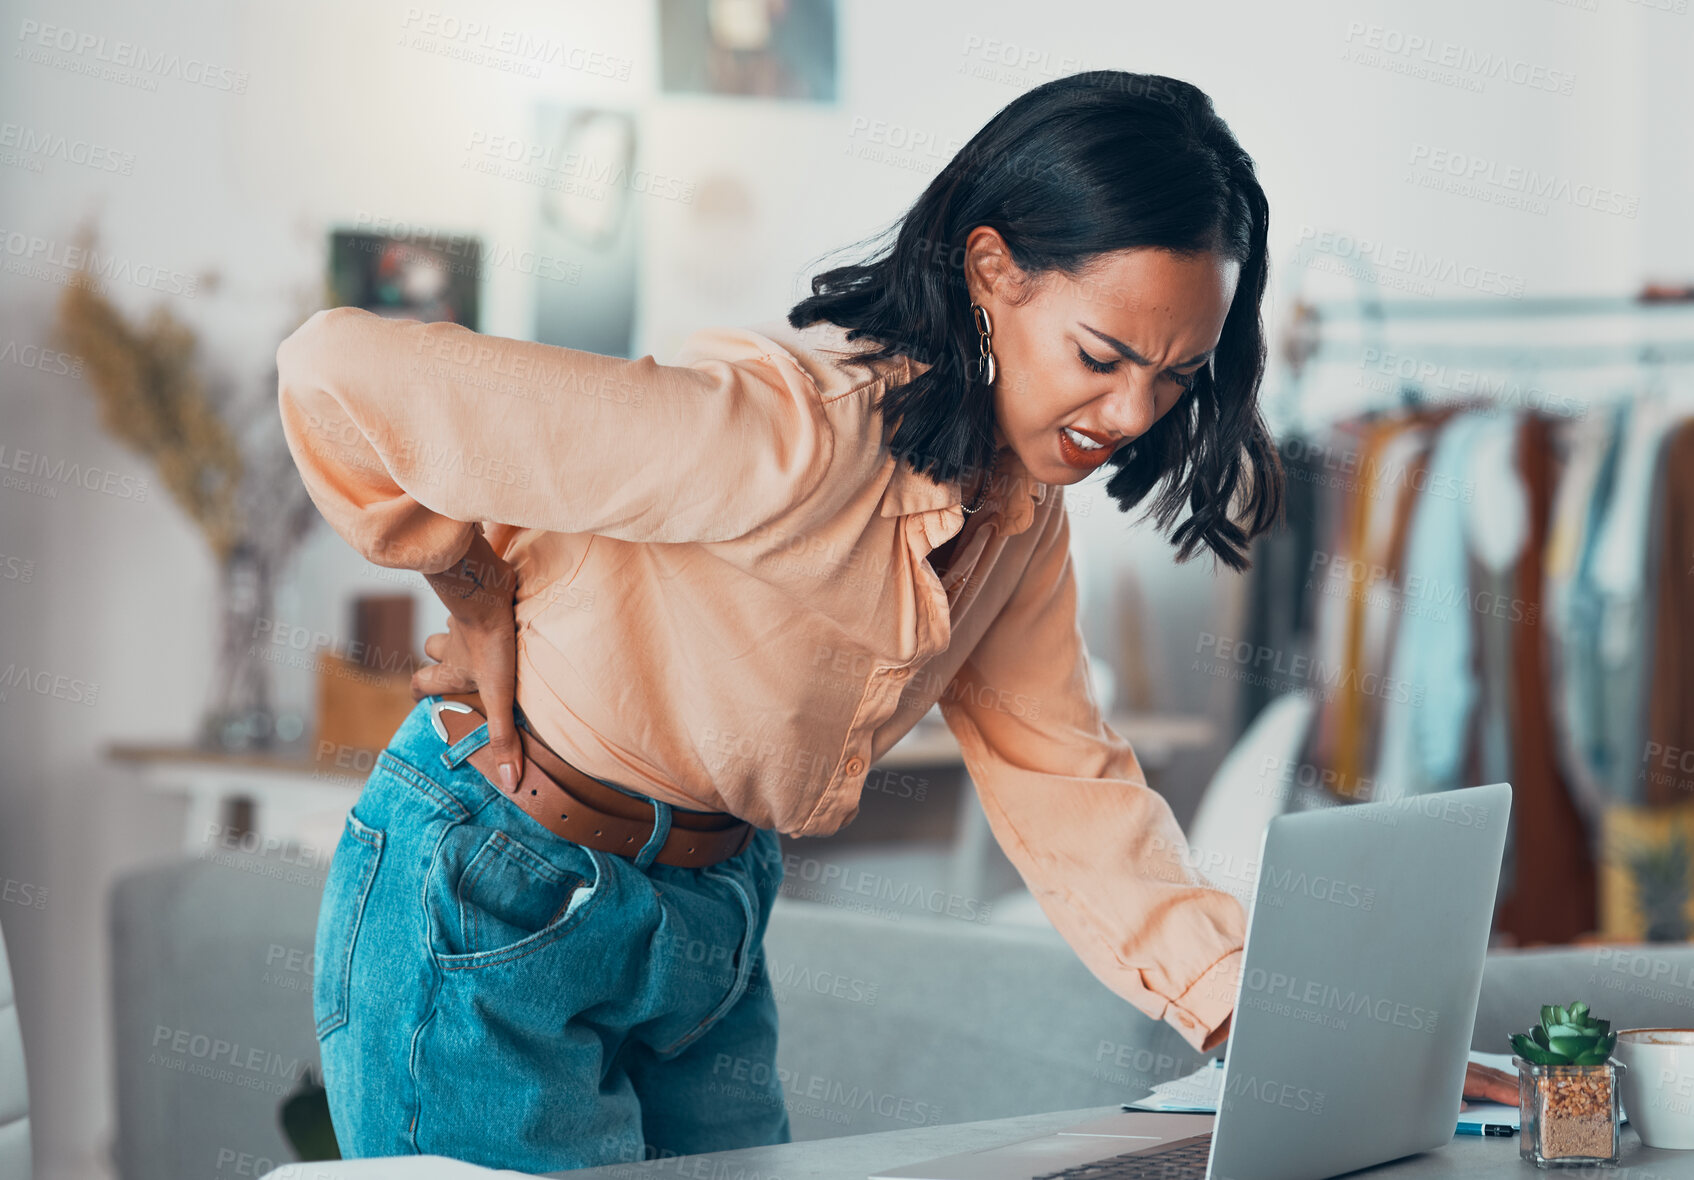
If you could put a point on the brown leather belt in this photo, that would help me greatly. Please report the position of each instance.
(585, 810)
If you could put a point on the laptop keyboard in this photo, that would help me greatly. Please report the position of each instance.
(1184, 1159)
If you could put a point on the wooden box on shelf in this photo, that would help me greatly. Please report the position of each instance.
(359, 707)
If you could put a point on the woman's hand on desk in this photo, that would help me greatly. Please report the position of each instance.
(1486, 1084)
(479, 651)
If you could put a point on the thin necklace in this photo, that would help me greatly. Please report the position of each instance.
(982, 491)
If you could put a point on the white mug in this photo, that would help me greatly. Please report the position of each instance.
(1658, 1084)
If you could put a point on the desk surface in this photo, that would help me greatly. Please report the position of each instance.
(855, 1157)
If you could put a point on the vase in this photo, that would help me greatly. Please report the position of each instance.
(1570, 1113)
(238, 717)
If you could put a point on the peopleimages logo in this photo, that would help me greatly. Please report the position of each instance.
(832, 1091)
(1384, 263)
(1646, 967)
(1321, 888)
(1464, 61)
(1373, 476)
(1338, 575)
(516, 158)
(1293, 672)
(1278, 884)
(1467, 168)
(822, 982)
(94, 49)
(40, 144)
(1438, 806)
(906, 894)
(513, 50)
(1273, 1093)
(1266, 988)
(34, 256)
(1501, 394)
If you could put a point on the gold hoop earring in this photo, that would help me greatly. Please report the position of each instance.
(984, 369)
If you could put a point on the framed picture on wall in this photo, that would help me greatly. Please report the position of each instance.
(760, 48)
(588, 228)
(397, 276)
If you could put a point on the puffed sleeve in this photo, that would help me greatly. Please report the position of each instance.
(407, 433)
(1066, 799)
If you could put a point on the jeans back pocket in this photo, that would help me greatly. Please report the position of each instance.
(508, 900)
(341, 913)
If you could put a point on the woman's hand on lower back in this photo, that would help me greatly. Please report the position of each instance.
(478, 651)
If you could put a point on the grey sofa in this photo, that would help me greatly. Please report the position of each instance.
(885, 1023)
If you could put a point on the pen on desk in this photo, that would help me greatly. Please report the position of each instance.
(1493, 1130)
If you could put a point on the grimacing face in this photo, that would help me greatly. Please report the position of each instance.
(1097, 359)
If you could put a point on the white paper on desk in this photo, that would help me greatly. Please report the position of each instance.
(1493, 1114)
(1198, 1093)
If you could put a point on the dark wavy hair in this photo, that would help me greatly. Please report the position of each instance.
(1083, 165)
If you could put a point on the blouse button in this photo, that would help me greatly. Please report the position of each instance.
(855, 765)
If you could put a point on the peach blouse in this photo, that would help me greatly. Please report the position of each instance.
(724, 600)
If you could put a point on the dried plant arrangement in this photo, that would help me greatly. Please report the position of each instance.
(223, 459)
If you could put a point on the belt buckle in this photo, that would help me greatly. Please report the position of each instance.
(435, 707)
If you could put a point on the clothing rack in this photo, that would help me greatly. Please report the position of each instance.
(1530, 307)
(1400, 352)
(1570, 525)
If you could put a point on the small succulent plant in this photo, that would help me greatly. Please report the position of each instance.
(1566, 1036)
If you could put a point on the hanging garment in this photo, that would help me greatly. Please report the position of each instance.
(1494, 532)
(1553, 896)
(1583, 687)
(1348, 455)
(1389, 474)
(1403, 487)
(1278, 608)
(1620, 579)
(1422, 745)
(1584, 486)
(1666, 772)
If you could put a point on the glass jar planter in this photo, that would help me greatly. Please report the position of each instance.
(1570, 1113)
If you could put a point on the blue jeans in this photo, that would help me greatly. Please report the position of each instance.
(489, 991)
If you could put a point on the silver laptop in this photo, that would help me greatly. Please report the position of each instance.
(1353, 1014)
